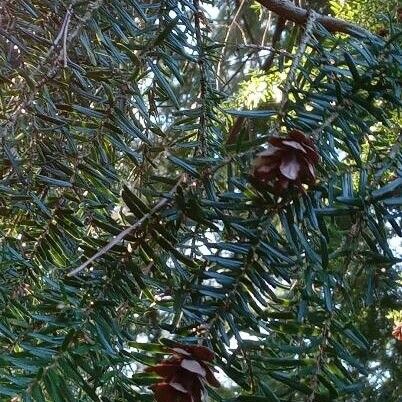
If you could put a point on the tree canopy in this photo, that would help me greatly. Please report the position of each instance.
(191, 185)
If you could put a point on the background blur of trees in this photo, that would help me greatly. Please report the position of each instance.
(128, 135)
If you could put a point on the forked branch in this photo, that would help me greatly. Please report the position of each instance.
(287, 10)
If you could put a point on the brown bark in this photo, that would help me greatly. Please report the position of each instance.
(287, 10)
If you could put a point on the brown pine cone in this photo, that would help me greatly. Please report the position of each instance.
(184, 374)
(286, 163)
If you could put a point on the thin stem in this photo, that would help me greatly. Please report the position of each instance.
(296, 62)
(162, 202)
(218, 69)
(203, 77)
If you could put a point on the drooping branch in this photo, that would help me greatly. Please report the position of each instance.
(287, 10)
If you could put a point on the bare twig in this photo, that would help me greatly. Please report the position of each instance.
(279, 27)
(60, 35)
(218, 68)
(246, 25)
(243, 34)
(266, 47)
(320, 360)
(267, 27)
(65, 32)
(163, 201)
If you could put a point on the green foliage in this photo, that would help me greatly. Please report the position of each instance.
(256, 89)
(371, 14)
(111, 116)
